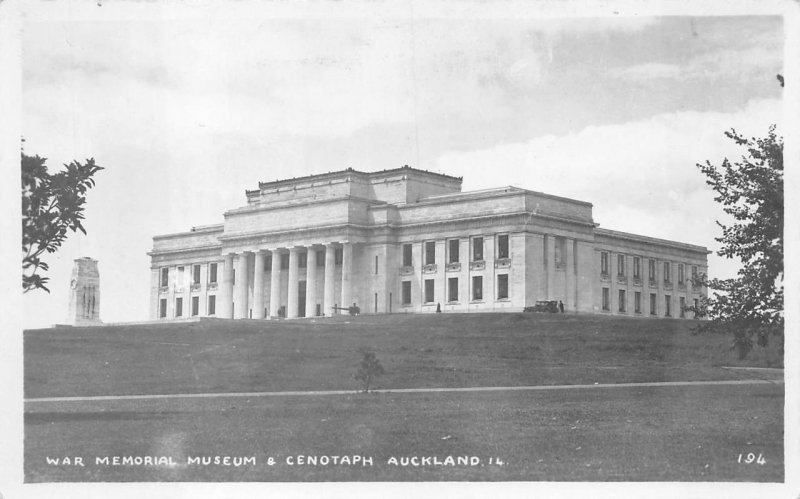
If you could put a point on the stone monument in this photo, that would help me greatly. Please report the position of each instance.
(84, 298)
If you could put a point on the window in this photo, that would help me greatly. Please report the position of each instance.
(620, 265)
(212, 305)
(477, 249)
(284, 261)
(667, 306)
(560, 252)
(452, 289)
(477, 288)
(653, 304)
(452, 253)
(212, 272)
(162, 308)
(502, 287)
(637, 271)
(302, 260)
(430, 253)
(407, 255)
(502, 246)
(233, 276)
(338, 256)
(696, 303)
(680, 273)
(694, 273)
(405, 293)
(637, 302)
(651, 270)
(622, 300)
(429, 291)
(195, 305)
(376, 264)
(682, 311)
(603, 263)
(178, 307)
(164, 277)
(196, 274)
(606, 299)
(666, 272)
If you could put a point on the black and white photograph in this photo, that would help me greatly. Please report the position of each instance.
(349, 248)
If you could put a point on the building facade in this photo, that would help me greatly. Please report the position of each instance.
(407, 240)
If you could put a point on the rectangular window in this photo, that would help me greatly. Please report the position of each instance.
(162, 308)
(212, 272)
(695, 307)
(430, 253)
(622, 303)
(477, 288)
(212, 305)
(667, 306)
(195, 305)
(620, 265)
(196, 274)
(164, 277)
(637, 272)
(680, 273)
(452, 289)
(477, 249)
(502, 246)
(284, 261)
(407, 255)
(376, 264)
(666, 272)
(178, 307)
(405, 293)
(651, 270)
(637, 302)
(338, 256)
(429, 291)
(653, 304)
(302, 260)
(682, 311)
(560, 251)
(694, 272)
(502, 286)
(603, 263)
(452, 253)
(233, 276)
(606, 299)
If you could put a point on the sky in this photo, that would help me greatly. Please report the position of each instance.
(186, 105)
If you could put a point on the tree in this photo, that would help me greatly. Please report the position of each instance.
(751, 191)
(369, 369)
(51, 206)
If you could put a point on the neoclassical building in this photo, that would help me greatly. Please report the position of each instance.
(408, 240)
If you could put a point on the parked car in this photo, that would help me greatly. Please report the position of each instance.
(544, 306)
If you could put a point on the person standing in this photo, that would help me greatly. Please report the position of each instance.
(561, 306)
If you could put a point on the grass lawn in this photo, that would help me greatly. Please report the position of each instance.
(692, 433)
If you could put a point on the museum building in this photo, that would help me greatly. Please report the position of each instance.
(409, 241)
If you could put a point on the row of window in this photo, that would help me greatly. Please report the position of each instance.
(429, 289)
(622, 303)
(195, 307)
(452, 250)
(651, 268)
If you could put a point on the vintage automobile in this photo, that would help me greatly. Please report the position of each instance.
(544, 306)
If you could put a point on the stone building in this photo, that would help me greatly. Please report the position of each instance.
(84, 296)
(407, 240)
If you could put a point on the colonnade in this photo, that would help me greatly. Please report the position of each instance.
(233, 301)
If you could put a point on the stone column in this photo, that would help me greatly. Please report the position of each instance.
(330, 277)
(258, 285)
(275, 285)
(311, 282)
(240, 288)
(347, 270)
(225, 295)
(294, 271)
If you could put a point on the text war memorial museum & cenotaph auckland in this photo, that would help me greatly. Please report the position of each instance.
(408, 240)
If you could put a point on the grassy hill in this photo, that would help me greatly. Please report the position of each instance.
(443, 350)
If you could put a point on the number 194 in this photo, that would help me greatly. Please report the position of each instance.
(751, 458)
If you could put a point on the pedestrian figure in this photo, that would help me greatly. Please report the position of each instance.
(561, 306)
(438, 308)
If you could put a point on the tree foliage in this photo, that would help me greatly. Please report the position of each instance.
(751, 192)
(52, 205)
(369, 369)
